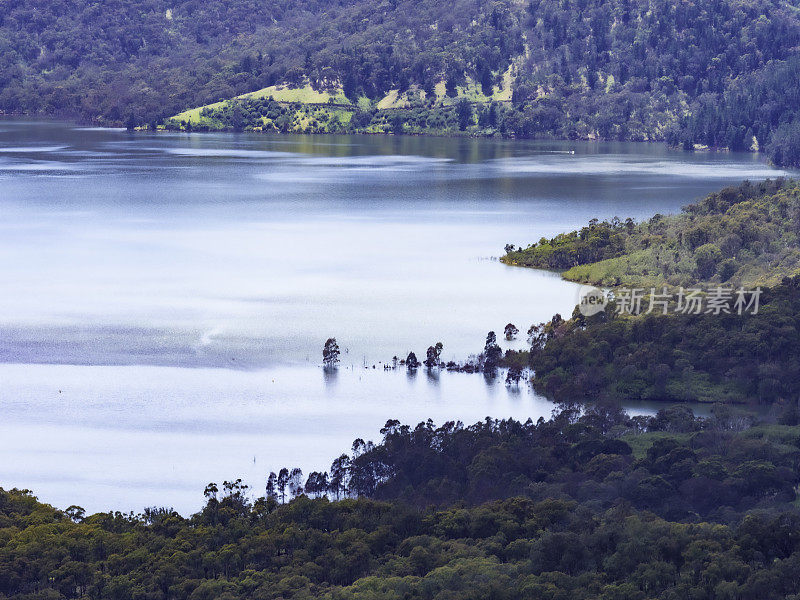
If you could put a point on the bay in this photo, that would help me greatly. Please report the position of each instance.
(165, 297)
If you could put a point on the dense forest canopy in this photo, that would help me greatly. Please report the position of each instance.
(149, 59)
(721, 73)
(738, 238)
(584, 506)
(633, 69)
(678, 357)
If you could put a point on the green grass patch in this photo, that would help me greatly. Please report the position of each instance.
(304, 95)
(641, 442)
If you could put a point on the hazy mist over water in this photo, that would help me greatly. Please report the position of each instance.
(164, 298)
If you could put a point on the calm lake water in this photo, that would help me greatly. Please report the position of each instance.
(164, 298)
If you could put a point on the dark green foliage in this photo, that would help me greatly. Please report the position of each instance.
(499, 459)
(491, 354)
(622, 69)
(679, 357)
(719, 73)
(740, 235)
(330, 353)
(784, 145)
(763, 105)
(591, 244)
(545, 510)
(745, 235)
(464, 113)
(140, 61)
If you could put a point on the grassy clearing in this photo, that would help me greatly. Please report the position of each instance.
(503, 92)
(306, 110)
(305, 95)
(193, 114)
(279, 93)
(641, 442)
(393, 100)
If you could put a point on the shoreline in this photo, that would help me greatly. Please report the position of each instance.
(72, 120)
(77, 121)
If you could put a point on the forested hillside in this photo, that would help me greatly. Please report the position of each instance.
(636, 69)
(579, 507)
(678, 356)
(144, 60)
(722, 73)
(740, 236)
(746, 235)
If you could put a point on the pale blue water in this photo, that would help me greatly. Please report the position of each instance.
(165, 298)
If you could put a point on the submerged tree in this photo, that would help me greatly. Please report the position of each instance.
(513, 376)
(411, 362)
(491, 353)
(433, 357)
(510, 331)
(330, 353)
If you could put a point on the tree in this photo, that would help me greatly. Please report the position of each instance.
(316, 484)
(486, 82)
(396, 122)
(330, 353)
(513, 376)
(433, 357)
(211, 491)
(412, 362)
(76, 513)
(212, 504)
(463, 113)
(491, 353)
(295, 482)
(707, 257)
(282, 481)
(451, 85)
(272, 492)
(234, 497)
(237, 118)
(361, 119)
(536, 336)
(511, 331)
(339, 475)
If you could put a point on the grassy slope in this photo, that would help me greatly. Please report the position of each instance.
(471, 91)
(306, 95)
(280, 93)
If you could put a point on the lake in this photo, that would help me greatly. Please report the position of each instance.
(165, 297)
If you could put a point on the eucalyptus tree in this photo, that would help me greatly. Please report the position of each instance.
(330, 353)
